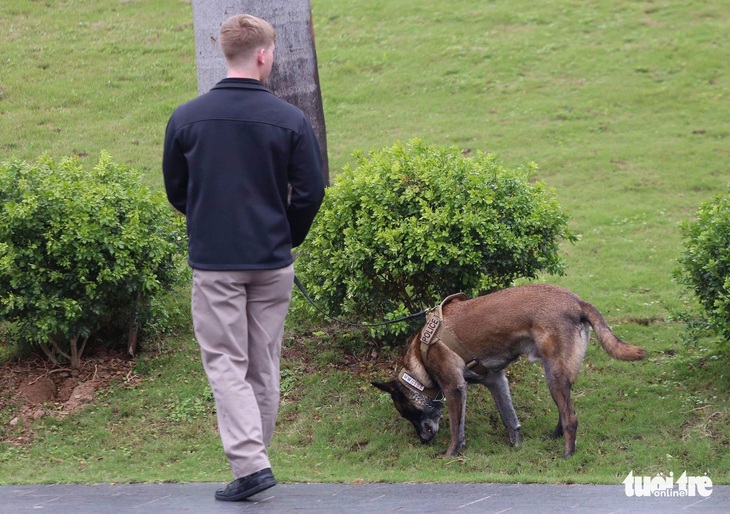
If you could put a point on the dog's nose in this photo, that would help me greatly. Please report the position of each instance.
(426, 433)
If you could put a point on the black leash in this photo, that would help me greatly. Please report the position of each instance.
(360, 325)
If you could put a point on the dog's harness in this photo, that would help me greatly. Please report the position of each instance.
(434, 331)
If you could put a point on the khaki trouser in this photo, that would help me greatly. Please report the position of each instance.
(239, 324)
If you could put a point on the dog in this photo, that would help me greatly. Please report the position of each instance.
(473, 341)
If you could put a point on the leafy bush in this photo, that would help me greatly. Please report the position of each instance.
(80, 250)
(705, 264)
(413, 223)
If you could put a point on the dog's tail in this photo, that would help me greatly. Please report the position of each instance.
(614, 346)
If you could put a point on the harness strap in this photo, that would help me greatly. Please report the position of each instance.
(435, 330)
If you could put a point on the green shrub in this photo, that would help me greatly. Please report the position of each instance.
(80, 250)
(413, 223)
(705, 264)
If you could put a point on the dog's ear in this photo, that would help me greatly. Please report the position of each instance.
(388, 387)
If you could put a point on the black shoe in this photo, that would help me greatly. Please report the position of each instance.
(242, 488)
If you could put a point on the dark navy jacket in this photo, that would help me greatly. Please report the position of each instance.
(229, 158)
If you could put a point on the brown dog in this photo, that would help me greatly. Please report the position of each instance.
(474, 340)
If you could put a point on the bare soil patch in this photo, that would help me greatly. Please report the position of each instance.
(32, 388)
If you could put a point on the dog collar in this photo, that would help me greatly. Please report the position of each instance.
(433, 393)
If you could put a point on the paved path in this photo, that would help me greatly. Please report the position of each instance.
(344, 498)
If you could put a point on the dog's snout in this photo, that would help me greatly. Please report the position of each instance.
(428, 431)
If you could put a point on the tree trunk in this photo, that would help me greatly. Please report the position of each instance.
(294, 77)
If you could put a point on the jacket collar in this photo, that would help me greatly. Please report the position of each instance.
(237, 83)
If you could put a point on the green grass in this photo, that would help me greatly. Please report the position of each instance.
(622, 104)
(79, 77)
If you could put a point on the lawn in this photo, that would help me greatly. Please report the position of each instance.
(623, 105)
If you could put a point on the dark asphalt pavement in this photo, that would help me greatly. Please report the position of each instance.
(346, 498)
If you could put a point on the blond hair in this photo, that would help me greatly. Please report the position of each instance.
(243, 34)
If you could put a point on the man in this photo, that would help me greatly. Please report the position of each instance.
(245, 168)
